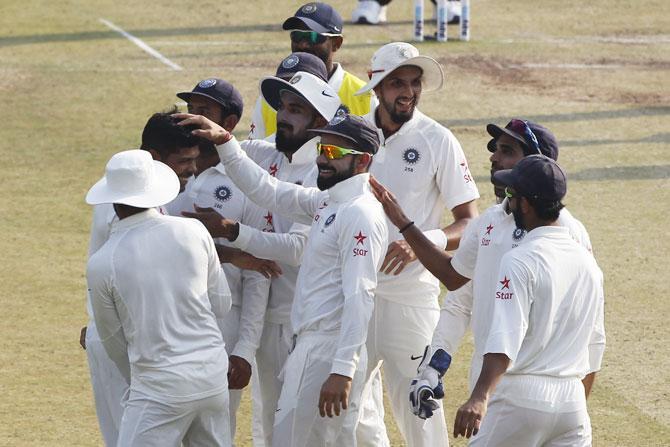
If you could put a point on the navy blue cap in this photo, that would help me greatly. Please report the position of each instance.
(220, 91)
(301, 61)
(319, 17)
(536, 177)
(517, 129)
(354, 128)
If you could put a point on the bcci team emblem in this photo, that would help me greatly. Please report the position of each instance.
(411, 156)
(330, 220)
(222, 193)
(290, 61)
(207, 83)
(295, 79)
(518, 234)
(340, 116)
(309, 8)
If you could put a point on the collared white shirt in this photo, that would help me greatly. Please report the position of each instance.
(345, 248)
(423, 165)
(485, 241)
(214, 189)
(157, 291)
(548, 304)
(302, 170)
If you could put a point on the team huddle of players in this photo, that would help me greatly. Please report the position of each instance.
(307, 260)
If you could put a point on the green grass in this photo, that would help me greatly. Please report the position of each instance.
(74, 92)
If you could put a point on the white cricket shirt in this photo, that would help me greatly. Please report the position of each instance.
(485, 241)
(547, 305)
(249, 289)
(423, 165)
(157, 291)
(302, 170)
(345, 247)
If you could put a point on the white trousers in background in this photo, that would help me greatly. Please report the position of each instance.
(200, 423)
(537, 411)
(109, 387)
(271, 356)
(397, 336)
(297, 419)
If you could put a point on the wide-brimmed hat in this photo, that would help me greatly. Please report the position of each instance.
(314, 90)
(400, 54)
(134, 178)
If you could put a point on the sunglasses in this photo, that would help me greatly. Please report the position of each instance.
(509, 193)
(522, 128)
(312, 37)
(333, 152)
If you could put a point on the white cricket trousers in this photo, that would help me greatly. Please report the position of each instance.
(297, 419)
(109, 387)
(397, 336)
(200, 423)
(276, 342)
(230, 330)
(537, 411)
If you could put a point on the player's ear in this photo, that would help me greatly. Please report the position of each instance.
(525, 205)
(336, 43)
(230, 122)
(363, 162)
(155, 155)
(319, 122)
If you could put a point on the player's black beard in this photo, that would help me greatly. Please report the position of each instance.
(288, 145)
(397, 117)
(518, 218)
(327, 183)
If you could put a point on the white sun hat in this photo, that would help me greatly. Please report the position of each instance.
(400, 54)
(134, 178)
(315, 91)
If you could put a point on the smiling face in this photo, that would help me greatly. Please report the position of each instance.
(183, 163)
(508, 152)
(399, 94)
(332, 172)
(294, 116)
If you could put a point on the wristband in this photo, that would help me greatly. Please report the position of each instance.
(406, 226)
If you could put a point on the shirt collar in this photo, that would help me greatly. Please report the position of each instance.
(352, 187)
(337, 77)
(547, 230)
(135, 219)
(306, 153)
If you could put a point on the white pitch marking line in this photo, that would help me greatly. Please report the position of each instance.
(140, 43)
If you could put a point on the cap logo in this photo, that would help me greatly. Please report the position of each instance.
(309, 8)
(295, 79)
(290, 61)
(207, 83)
(340, 116)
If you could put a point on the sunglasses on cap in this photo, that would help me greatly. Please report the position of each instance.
(333, 152)
(311, 37)
(509, 192)
(522, 128)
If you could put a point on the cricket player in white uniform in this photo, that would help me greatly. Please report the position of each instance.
(159, 295)
(335, 288)
(423, 164)
(305, 102)
(179, 149)
(548, 310)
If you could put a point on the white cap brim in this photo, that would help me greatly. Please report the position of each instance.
(163, 188)
(316, 92)
(433, 75)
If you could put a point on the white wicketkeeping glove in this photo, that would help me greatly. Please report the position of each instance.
(426, 387)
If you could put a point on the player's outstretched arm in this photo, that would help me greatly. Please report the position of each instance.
(435, 259)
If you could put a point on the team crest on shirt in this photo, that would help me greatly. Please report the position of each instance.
(290, 61)
(411, 157)
(360, 240)
(207, 83)
(309, 8)
(518, 234)
(222, 194)
(330, 220)
(504, 285)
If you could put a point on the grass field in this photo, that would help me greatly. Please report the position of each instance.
(75, 91)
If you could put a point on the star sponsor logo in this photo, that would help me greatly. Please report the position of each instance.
(222, 193)
(207, 83)
(466, 172)
(268, 219)
(486, 241)
(504, 285)
(360, 240)
(488, 229)
(273, 169)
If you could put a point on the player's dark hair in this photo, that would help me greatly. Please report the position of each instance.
(165, 136)
(547, 210)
